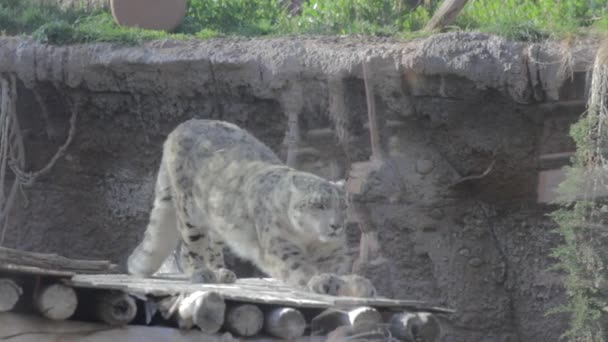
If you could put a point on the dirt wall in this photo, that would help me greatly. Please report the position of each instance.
(456, 105)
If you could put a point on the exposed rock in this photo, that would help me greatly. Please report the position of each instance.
(461, 100)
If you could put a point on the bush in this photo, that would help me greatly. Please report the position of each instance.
(531, 19)
(517, 19)
(243, 17)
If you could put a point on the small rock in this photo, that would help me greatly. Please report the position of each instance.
(436, 214)
(429, 228)
(424, 166)
(475, 262)
(464, 252)
(516, 259)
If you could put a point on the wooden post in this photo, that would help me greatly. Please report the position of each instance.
(116, 308)
(446, 14)
(56, 301)
(358, 177)
(204, 309)
(359, 319)
(415, 326)
(10, 292)
(244, 320)
(285, 323)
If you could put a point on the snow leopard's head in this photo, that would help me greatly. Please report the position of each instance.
(317, 207)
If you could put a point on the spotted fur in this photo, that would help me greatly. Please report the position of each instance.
(219, 186)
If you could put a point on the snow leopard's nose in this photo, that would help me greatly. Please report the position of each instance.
(334, 226)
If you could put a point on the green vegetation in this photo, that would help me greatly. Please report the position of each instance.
(517, 19)
(583, 217)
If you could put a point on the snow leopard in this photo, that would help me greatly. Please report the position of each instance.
(219, 186)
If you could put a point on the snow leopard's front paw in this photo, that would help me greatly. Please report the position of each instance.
(356, 286)
(327, 284)
(203, 276)
(225, 276)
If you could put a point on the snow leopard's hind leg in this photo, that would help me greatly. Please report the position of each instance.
(201, 253)
(161, 234)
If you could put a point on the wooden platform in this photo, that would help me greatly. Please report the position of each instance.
(249, 290)
(63, 290)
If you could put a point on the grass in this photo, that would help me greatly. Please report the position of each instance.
(529, 20)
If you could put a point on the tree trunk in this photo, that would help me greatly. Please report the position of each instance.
(446, 14)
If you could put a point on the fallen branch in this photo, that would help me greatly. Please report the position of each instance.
(475, 177)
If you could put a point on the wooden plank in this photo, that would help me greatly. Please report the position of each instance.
(53, 262)
(20, 269)
(249, 290)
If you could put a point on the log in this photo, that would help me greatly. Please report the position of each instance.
(359, 319)
(10, 292)
(116, 308)
(415, 326)
(364, 317)
(205, 309)
(445, 14)
(56, 301)
(244, 320)
(347, 333)
(285, 323)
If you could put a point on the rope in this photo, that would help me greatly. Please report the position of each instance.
(28, 178)
(12, 150)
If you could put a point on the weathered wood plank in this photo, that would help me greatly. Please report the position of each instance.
(47, 261)
(21, 269)
(250, 290)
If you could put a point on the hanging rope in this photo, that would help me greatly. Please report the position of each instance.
(12, 151)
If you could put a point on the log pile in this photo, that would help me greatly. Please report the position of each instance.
(247, 309)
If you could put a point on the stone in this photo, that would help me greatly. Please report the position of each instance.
(424, 166)
(464, 252)
(436, 214)
(149, 14)
(475, 262)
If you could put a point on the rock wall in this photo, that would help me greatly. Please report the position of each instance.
(455, 105)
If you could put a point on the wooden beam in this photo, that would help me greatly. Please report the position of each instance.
(116, 308)
(204, 309)
(415, 326)
(56, 301)
(10, 292)
(244, 320)
(285, 323)
(359, 319)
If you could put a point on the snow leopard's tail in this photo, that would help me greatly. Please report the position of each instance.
(161, 235)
